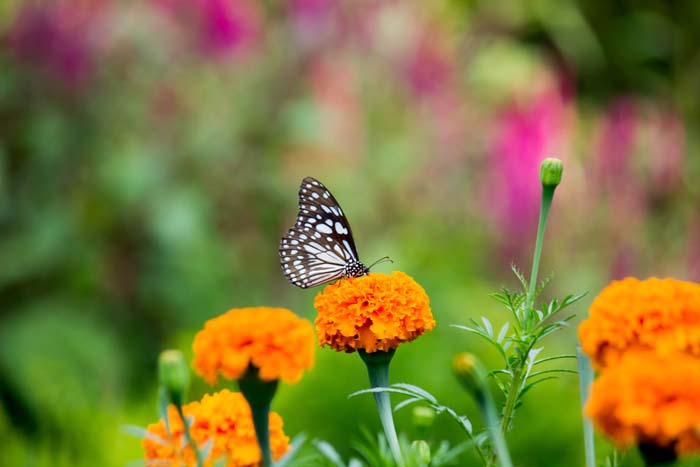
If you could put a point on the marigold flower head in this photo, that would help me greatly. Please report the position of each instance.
(649, 398)
(225, 419)
(659, 314)
(275, 341)
(373, 312)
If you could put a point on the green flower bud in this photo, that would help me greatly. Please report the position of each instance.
(173, 375)
(420, 451)
(423, 416)
(464, 366)
(550, 171)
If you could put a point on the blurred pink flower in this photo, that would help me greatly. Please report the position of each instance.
(525, 134)
(428, 67)
(667, 148)
(222, 27)
(314, 21)
(58, 39)
(617, 141)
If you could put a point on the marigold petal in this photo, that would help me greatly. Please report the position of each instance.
(274, 340)
(372, 312)
(659, 314)
(223, 417)
(651, 398)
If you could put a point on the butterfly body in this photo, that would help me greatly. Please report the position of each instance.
(319, 248)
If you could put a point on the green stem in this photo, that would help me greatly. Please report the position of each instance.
(511, 400)
(188, 437)
(547, 195)
(259, 395)
(585, 374)
(261, 417)
(378, 369)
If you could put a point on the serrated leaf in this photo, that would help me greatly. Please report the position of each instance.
(520, 277)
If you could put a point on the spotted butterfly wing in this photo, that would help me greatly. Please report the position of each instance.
(319, 248)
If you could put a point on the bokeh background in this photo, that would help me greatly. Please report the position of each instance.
(150, 156)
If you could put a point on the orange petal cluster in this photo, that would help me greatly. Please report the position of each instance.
(646, 397)
(373, 312)
(274, 340)
(659, 314)
(222, 418)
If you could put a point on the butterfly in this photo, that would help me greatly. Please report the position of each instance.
(319, 248)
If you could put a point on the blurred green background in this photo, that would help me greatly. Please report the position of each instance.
(151, 151)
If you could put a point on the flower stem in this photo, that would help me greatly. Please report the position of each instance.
(585, 374)
(654, 455)
(261, 417)
(547, 195)
(188, 437)
(259, 395)
(509, 406)
(378, 369)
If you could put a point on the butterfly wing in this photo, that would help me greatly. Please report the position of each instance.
(320, 245)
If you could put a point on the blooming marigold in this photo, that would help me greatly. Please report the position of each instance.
(660, 314)
(225, 419)
(649, 398)
(274, 340)
(372, 312)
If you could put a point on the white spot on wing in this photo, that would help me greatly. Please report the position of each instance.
(340, 229)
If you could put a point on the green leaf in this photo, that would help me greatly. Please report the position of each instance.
(141, 432)
(520, 277)
(296, 444)
(416, 390)
(329, 452)
(555, 357)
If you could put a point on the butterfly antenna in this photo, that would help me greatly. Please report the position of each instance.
(385, 259)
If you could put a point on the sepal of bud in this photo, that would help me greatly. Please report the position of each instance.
(551, 171)
(173, 375)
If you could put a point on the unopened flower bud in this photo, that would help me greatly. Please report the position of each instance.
(550, 171)
(420, 451)
(465, 366)
(173, 375)
(423, 416)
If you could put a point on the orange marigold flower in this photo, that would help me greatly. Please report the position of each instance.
(649, 398)
(372, 312)
(660, 314)
(274, 340)
(225, 419)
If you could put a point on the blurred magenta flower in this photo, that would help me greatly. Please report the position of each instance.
(617, 140)
(59, 39)
(667, 148)
(314, 21)
(428, 67)
(221, 27)
(525, 134)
